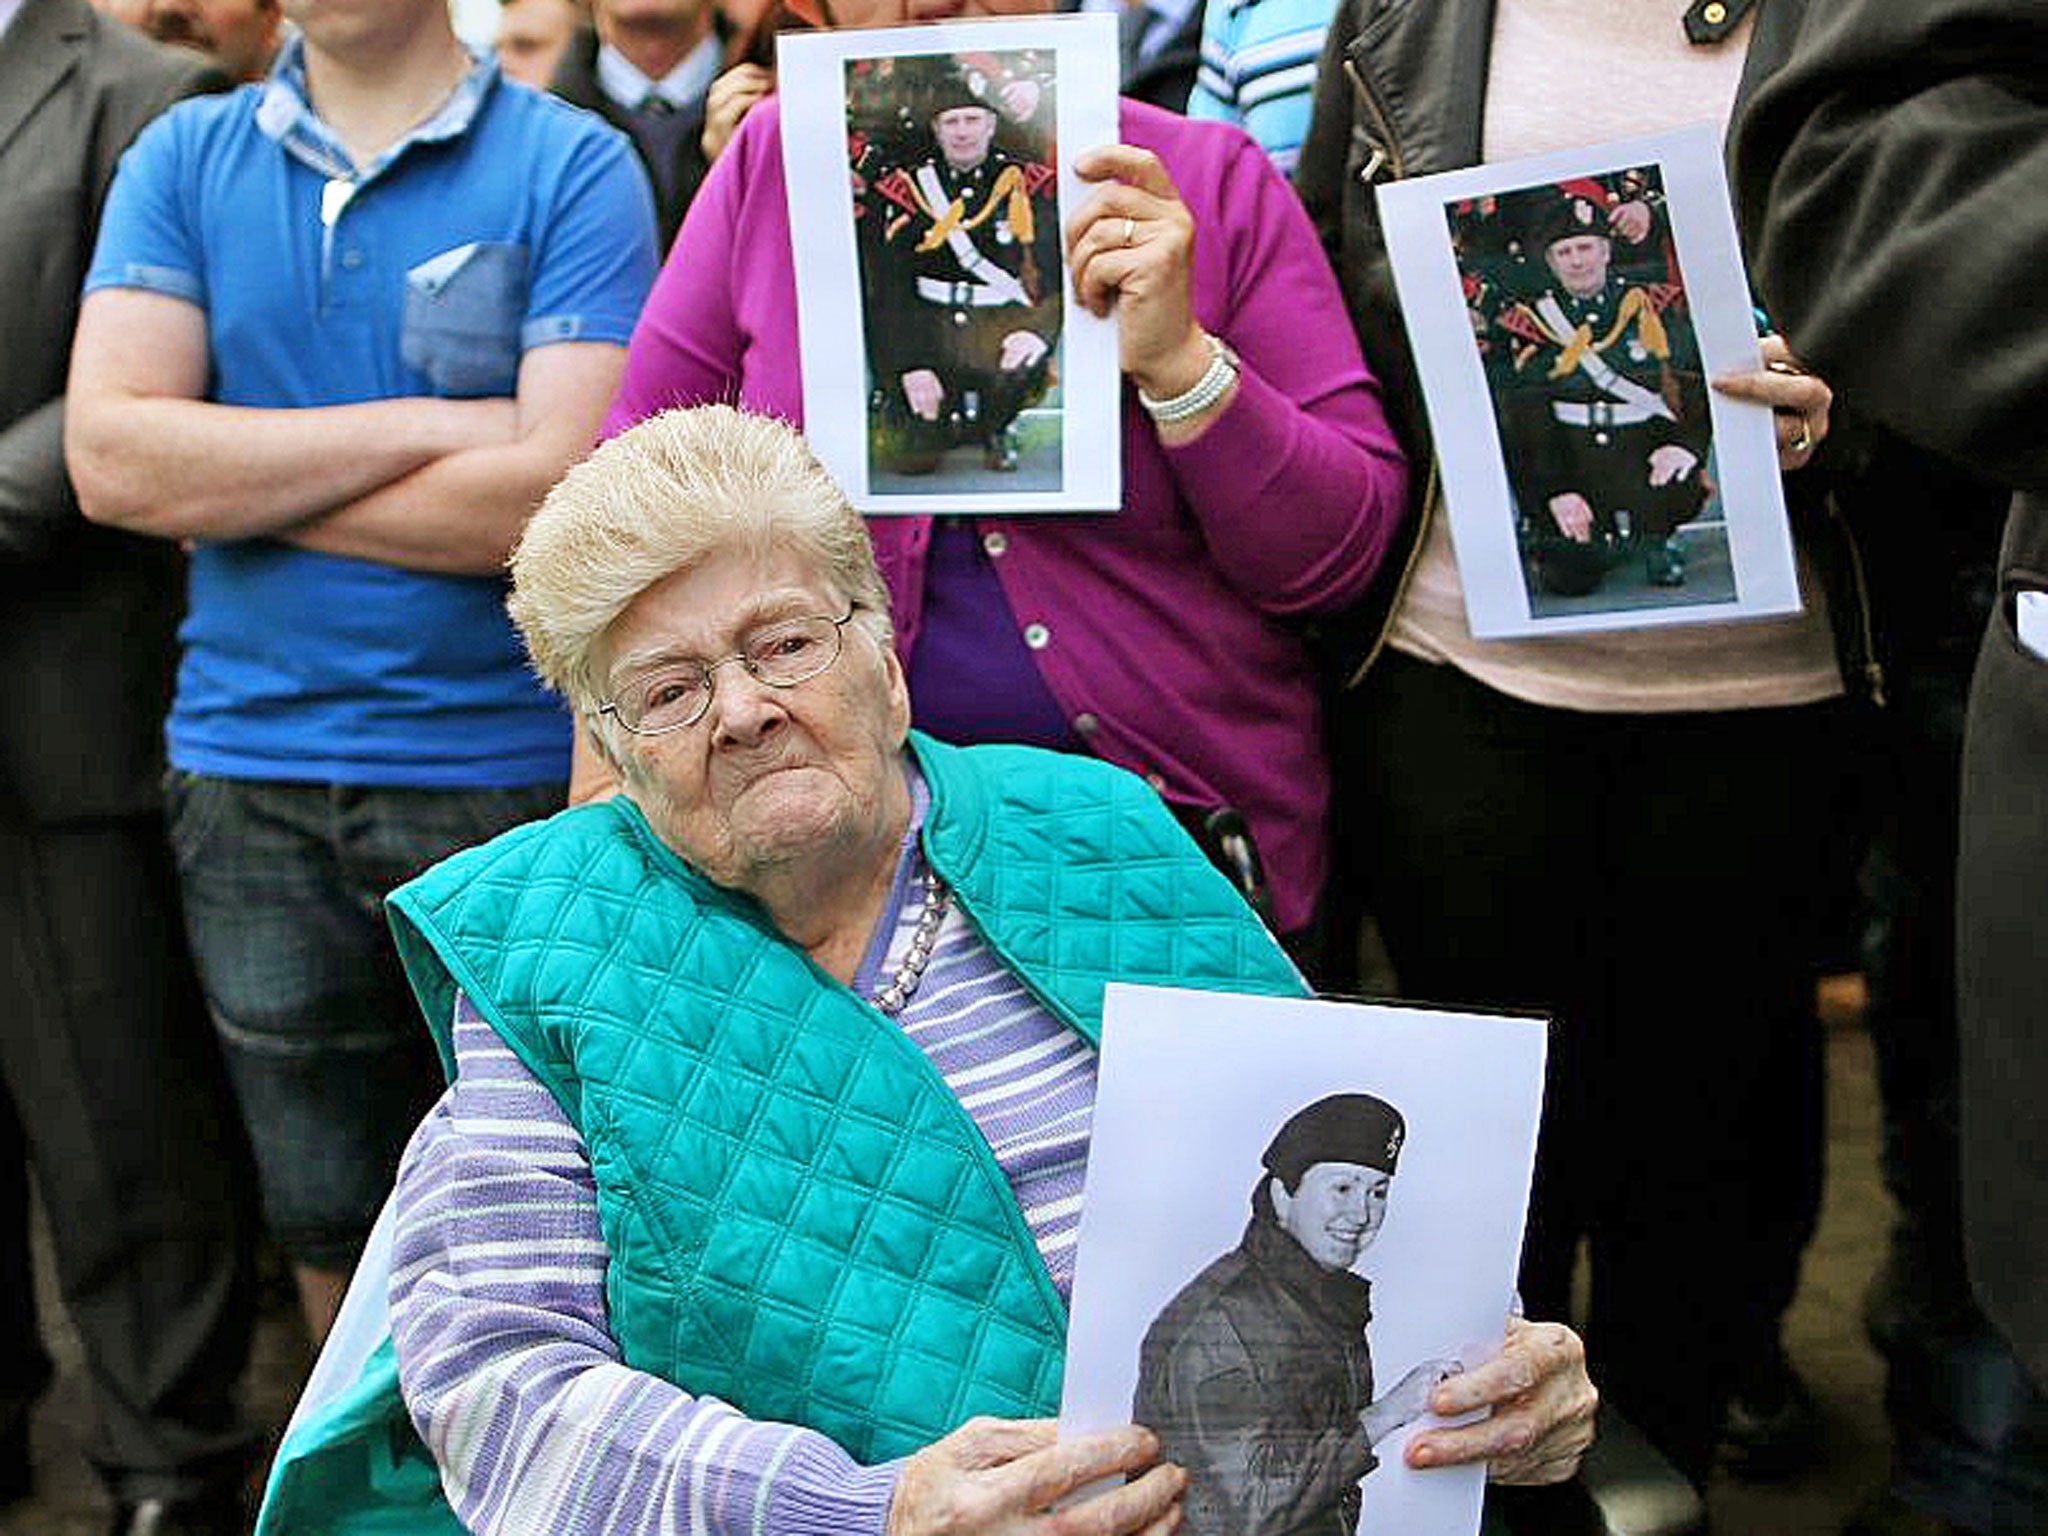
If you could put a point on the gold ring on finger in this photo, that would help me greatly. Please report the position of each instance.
(1803, 438)
(1130, 231)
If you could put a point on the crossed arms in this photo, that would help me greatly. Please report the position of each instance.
(420, 482)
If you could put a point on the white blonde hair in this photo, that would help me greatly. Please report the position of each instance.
(661, 498)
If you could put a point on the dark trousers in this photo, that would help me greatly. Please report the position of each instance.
(1652, 883)
(1611, 470)
(981, 397)
(113, 1091)
(1969, 1429)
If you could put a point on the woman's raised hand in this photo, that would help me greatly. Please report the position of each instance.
(1132, 245)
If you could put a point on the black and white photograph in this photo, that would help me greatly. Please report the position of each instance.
(1300, 1217)
(1567, 315)
(952, 372)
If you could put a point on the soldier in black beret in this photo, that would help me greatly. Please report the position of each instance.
(1256, 1377)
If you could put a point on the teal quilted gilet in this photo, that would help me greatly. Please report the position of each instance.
(802, 1219)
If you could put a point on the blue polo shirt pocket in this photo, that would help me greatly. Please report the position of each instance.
(463, 310)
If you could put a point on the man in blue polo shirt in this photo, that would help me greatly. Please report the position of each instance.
(342, 331)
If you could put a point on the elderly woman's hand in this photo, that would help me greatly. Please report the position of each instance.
(1800, 399)
(1001, 1477)
(1541, 1409)
(1132, 246)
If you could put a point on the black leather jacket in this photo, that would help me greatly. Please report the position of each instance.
(1401, 91)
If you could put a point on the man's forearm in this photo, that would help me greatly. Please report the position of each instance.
(462, 513)
(192, 469)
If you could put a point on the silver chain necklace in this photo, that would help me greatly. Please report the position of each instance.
(890, 999)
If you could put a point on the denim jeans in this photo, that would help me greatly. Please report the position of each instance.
(284, 887)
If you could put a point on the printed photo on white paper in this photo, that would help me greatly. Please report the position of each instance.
(928, 174)
(1567, 312)
(1300, 1216)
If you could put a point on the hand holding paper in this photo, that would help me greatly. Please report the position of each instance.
(1298, 1222)
(1608, 287)
(1800, 399)
(995, 1477)
(1133, 244)
(945, 366)
(1541, 1406)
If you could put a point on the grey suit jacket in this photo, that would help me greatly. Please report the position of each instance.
(86, 614)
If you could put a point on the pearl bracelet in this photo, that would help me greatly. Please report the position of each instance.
(1214, 383)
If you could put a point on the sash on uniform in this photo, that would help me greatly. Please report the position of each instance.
(1577, 349)
(951, 230)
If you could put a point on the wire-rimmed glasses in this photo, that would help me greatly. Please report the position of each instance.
(677, 693)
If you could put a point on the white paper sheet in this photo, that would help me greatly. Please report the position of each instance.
(2030, 618)
(1193, 1088)
(1071, 454)
(1740, 562)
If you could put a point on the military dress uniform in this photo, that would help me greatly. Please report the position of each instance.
(1590, 387)
(957, 261)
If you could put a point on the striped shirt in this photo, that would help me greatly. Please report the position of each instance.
(1258, 70)
(1027, 1080)
(497, 1280)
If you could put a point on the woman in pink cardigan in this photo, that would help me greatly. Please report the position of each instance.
(1165, 637)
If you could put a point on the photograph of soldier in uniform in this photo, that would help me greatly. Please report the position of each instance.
(944, 371)
(1257, 1376)
(1253, 1160)
(1580, 316)
(1569, 315)
(962, 288)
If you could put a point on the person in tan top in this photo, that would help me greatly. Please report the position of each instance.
(1629, 831)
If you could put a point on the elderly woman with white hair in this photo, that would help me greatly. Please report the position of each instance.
(751, 1204)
